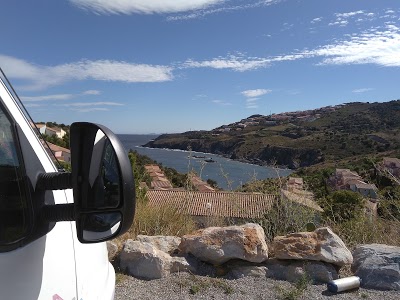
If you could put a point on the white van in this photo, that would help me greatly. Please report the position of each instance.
(53, 224)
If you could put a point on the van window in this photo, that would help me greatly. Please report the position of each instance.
(14, 221)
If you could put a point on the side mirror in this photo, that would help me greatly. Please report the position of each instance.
(102, 183)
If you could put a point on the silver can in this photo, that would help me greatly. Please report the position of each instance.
(344, 284)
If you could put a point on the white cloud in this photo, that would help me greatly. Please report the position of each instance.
(41, 77)
(233, 62)
(349, 14)
(57, 97)
(199, 97)
(287, 26)
(316, 20)
(32, 105)
(342, 19)
(116, 71)
(339, 23)
(91, 92)
(142, 7)
(363, 90)
(255, 93)
(380, 46)
(371, 47)
(252, 102)
(226, 8)
(80, 104)
(84, 110)
(48, 97)
(221, 102)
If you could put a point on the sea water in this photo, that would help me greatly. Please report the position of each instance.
(228, 174)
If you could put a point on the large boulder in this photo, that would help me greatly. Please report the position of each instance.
(168, 244)
(112, 250)
(320, 245)
(378, 266)
(294, 270)
(143, 260)
(236, 269)
(217, 245)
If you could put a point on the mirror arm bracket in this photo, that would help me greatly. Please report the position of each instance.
(58, 212)
(54, 181)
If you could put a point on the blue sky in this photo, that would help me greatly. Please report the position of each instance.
(159, 66)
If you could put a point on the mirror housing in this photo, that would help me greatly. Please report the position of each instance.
(102, 183)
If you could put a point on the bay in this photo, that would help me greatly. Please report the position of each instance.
(228, 174)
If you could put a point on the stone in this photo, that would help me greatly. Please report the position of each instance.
(294, 270)
(181, 264)
(168, 244)
(217, 245)
(320, 245)
(378, 266)
(239, 269)
(144, 260)
(112, 249)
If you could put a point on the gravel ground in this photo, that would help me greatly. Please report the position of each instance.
(187, 286)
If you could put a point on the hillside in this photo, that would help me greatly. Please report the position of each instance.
(302, 138)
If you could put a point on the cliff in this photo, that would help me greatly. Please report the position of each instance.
(239, 149)
(302, 138)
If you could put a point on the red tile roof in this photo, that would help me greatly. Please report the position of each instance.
(221, 204)
(55, 148)
(161, 184)
(305, 199)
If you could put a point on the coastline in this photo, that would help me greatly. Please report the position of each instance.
(254, 162)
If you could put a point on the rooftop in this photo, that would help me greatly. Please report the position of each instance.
(217, 204)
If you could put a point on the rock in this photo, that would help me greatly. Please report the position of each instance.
(112, 249)
(144, 260)
(217, 245)
(168, 244)
(294, 270)
(378, 266)
(240, 269)
(181, 264)
(320, 245)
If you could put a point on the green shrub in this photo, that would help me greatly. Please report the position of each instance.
(342, 206)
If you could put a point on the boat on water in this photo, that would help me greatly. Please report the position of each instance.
(209, 160)
(196, 156)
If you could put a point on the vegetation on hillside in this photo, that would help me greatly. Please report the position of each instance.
(139, 161)
(301, 139)
(354, 136)
(62, 142)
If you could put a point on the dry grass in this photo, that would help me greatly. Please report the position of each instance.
(164, 220)
(367, 230)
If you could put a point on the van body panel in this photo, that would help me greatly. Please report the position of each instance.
(95, 275)
(41, 269)
(56, 266)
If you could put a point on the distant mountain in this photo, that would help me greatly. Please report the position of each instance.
(301, 138)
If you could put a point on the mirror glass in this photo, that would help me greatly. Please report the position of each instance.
(105, 176)
(100, 226)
